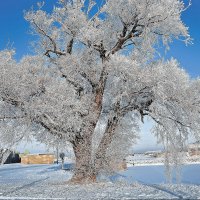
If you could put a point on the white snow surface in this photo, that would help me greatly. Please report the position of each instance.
(142, 159)
(24, 182)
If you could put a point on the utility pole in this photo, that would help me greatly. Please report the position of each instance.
(57, 154)
(62, 156)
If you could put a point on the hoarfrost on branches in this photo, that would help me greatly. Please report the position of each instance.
(94, 77)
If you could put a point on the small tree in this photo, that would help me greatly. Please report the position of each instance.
(94, 78)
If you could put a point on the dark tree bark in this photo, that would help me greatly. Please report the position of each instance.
(84, 170)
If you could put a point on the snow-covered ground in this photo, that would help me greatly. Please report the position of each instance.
(138, 182)
(142, 159)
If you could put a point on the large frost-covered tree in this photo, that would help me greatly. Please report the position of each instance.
(94, 78)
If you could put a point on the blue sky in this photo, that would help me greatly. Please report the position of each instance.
(14, 31)
(189, 56)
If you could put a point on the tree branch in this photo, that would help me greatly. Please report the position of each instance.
(84, 75)
(125, 37)
(54, 50)
(70, 46)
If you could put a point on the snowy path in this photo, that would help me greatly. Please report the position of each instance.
(49, 182)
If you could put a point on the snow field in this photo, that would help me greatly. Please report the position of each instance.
(140, 182)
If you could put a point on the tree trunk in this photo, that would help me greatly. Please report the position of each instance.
(84, 170)
(100, 157)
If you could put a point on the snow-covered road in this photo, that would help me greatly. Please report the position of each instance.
(49, 182)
